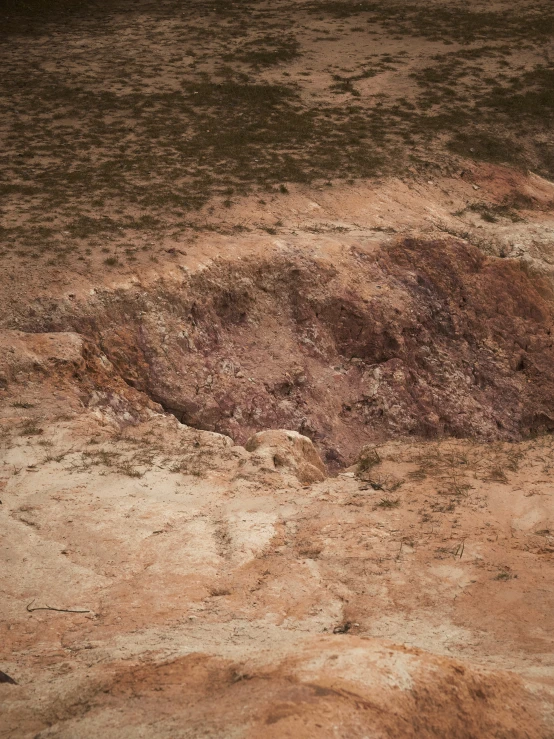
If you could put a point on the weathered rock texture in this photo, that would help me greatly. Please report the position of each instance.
(425, 338)
(284, 451)
(177, 232)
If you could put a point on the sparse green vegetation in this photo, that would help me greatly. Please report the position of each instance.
(30, 427)
(437, 23)
(503, 576)
(389, 503)
(492, 213)
(497, 474)
(368, 458)
(163, 128)
(266, 51)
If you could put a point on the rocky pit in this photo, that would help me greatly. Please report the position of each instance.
(283, 493)
(276, 446)
(423, 338)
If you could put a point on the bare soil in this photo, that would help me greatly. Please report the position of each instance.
(326, 224)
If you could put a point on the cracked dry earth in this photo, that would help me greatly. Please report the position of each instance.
(382, 568)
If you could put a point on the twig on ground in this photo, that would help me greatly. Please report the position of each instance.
(50, 608)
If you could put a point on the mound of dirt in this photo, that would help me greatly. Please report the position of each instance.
(366, 688)
(286, 451)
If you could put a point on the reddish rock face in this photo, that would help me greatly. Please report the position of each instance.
(422, 338)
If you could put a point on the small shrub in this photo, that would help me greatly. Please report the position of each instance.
(126, 468)
(497, 474)
(502, 576)
(368, 458)
(31, 428)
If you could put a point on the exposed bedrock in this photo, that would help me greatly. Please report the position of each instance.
(422, 338)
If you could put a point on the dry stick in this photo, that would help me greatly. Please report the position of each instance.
(50, 608)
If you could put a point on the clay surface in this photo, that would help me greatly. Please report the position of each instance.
(276, 370)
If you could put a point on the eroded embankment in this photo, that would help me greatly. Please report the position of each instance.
(143, 558)
(418, 338)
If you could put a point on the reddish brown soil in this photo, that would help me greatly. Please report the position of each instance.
(421, 338)
(223, 595)
(328, 224)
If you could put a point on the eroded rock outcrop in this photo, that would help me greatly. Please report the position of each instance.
(425, 338)
(284, 452)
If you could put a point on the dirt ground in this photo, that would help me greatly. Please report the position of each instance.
(213, 591)
(276, 372)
